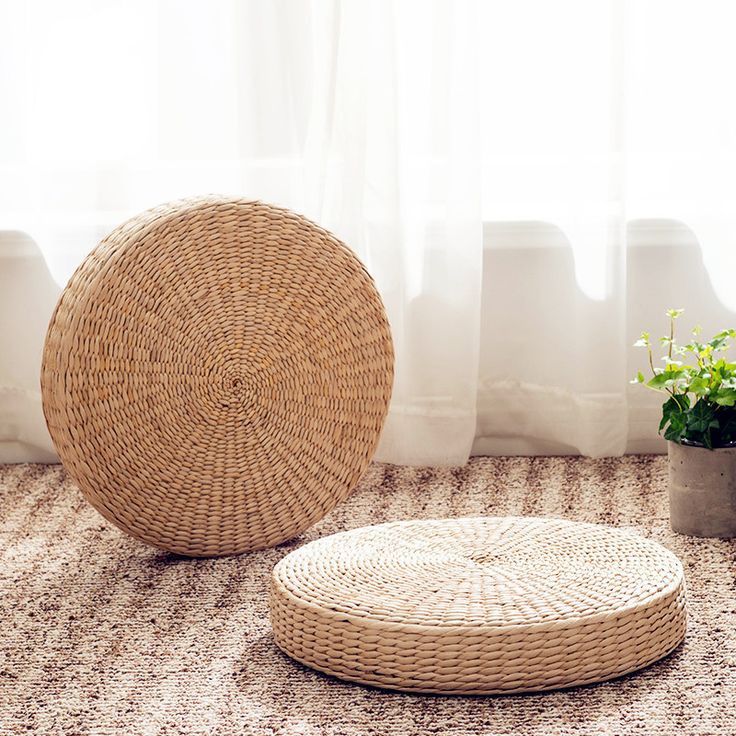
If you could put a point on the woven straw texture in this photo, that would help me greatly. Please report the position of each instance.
(216, 375)
(480, 605)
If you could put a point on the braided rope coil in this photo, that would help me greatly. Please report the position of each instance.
(478, 606)
(216, 375)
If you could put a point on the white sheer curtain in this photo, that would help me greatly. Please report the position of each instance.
(498, 166)
(360, 115)
(393, 160)
(554, 93)
(609, 127)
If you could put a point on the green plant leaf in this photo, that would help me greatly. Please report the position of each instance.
(728, 428)
(724, 396)
(701, 417)
(643, 341)
(699, 386)
(718, 343)
(659, 381)
(674, 313)
(672, 410)
(674, 433)
(725, 334)
(707, 440)
(694, 347)
(676, 429)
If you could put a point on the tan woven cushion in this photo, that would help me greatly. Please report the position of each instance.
(488, 605)
(216, 375)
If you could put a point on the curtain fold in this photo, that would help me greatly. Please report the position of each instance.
(392, 161)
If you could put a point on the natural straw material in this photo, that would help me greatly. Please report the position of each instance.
(216, 375)
(480, 605)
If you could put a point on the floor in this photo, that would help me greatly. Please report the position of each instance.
(103, 635)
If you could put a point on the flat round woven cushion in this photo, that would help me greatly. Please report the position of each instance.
(216, 375)
(488, 605)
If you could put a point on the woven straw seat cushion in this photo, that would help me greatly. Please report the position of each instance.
(216, 375)
(487, 605)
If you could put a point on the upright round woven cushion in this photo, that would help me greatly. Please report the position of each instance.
(478, 606)
(216, 375)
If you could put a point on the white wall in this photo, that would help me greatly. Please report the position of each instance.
(28, 296)
(664, 269)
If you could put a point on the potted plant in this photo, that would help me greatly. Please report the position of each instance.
(699, 422)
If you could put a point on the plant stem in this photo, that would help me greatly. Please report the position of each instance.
(659, 390)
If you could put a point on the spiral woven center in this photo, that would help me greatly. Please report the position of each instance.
(478, 605)
(238, 389)
(234, 366)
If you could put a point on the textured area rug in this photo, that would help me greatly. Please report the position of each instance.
(103, 635)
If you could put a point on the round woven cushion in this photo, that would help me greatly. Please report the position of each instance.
(489, 605)
(216, 375)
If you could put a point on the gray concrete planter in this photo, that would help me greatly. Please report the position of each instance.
(702, 490)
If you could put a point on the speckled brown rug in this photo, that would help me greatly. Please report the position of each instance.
(102, 635)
